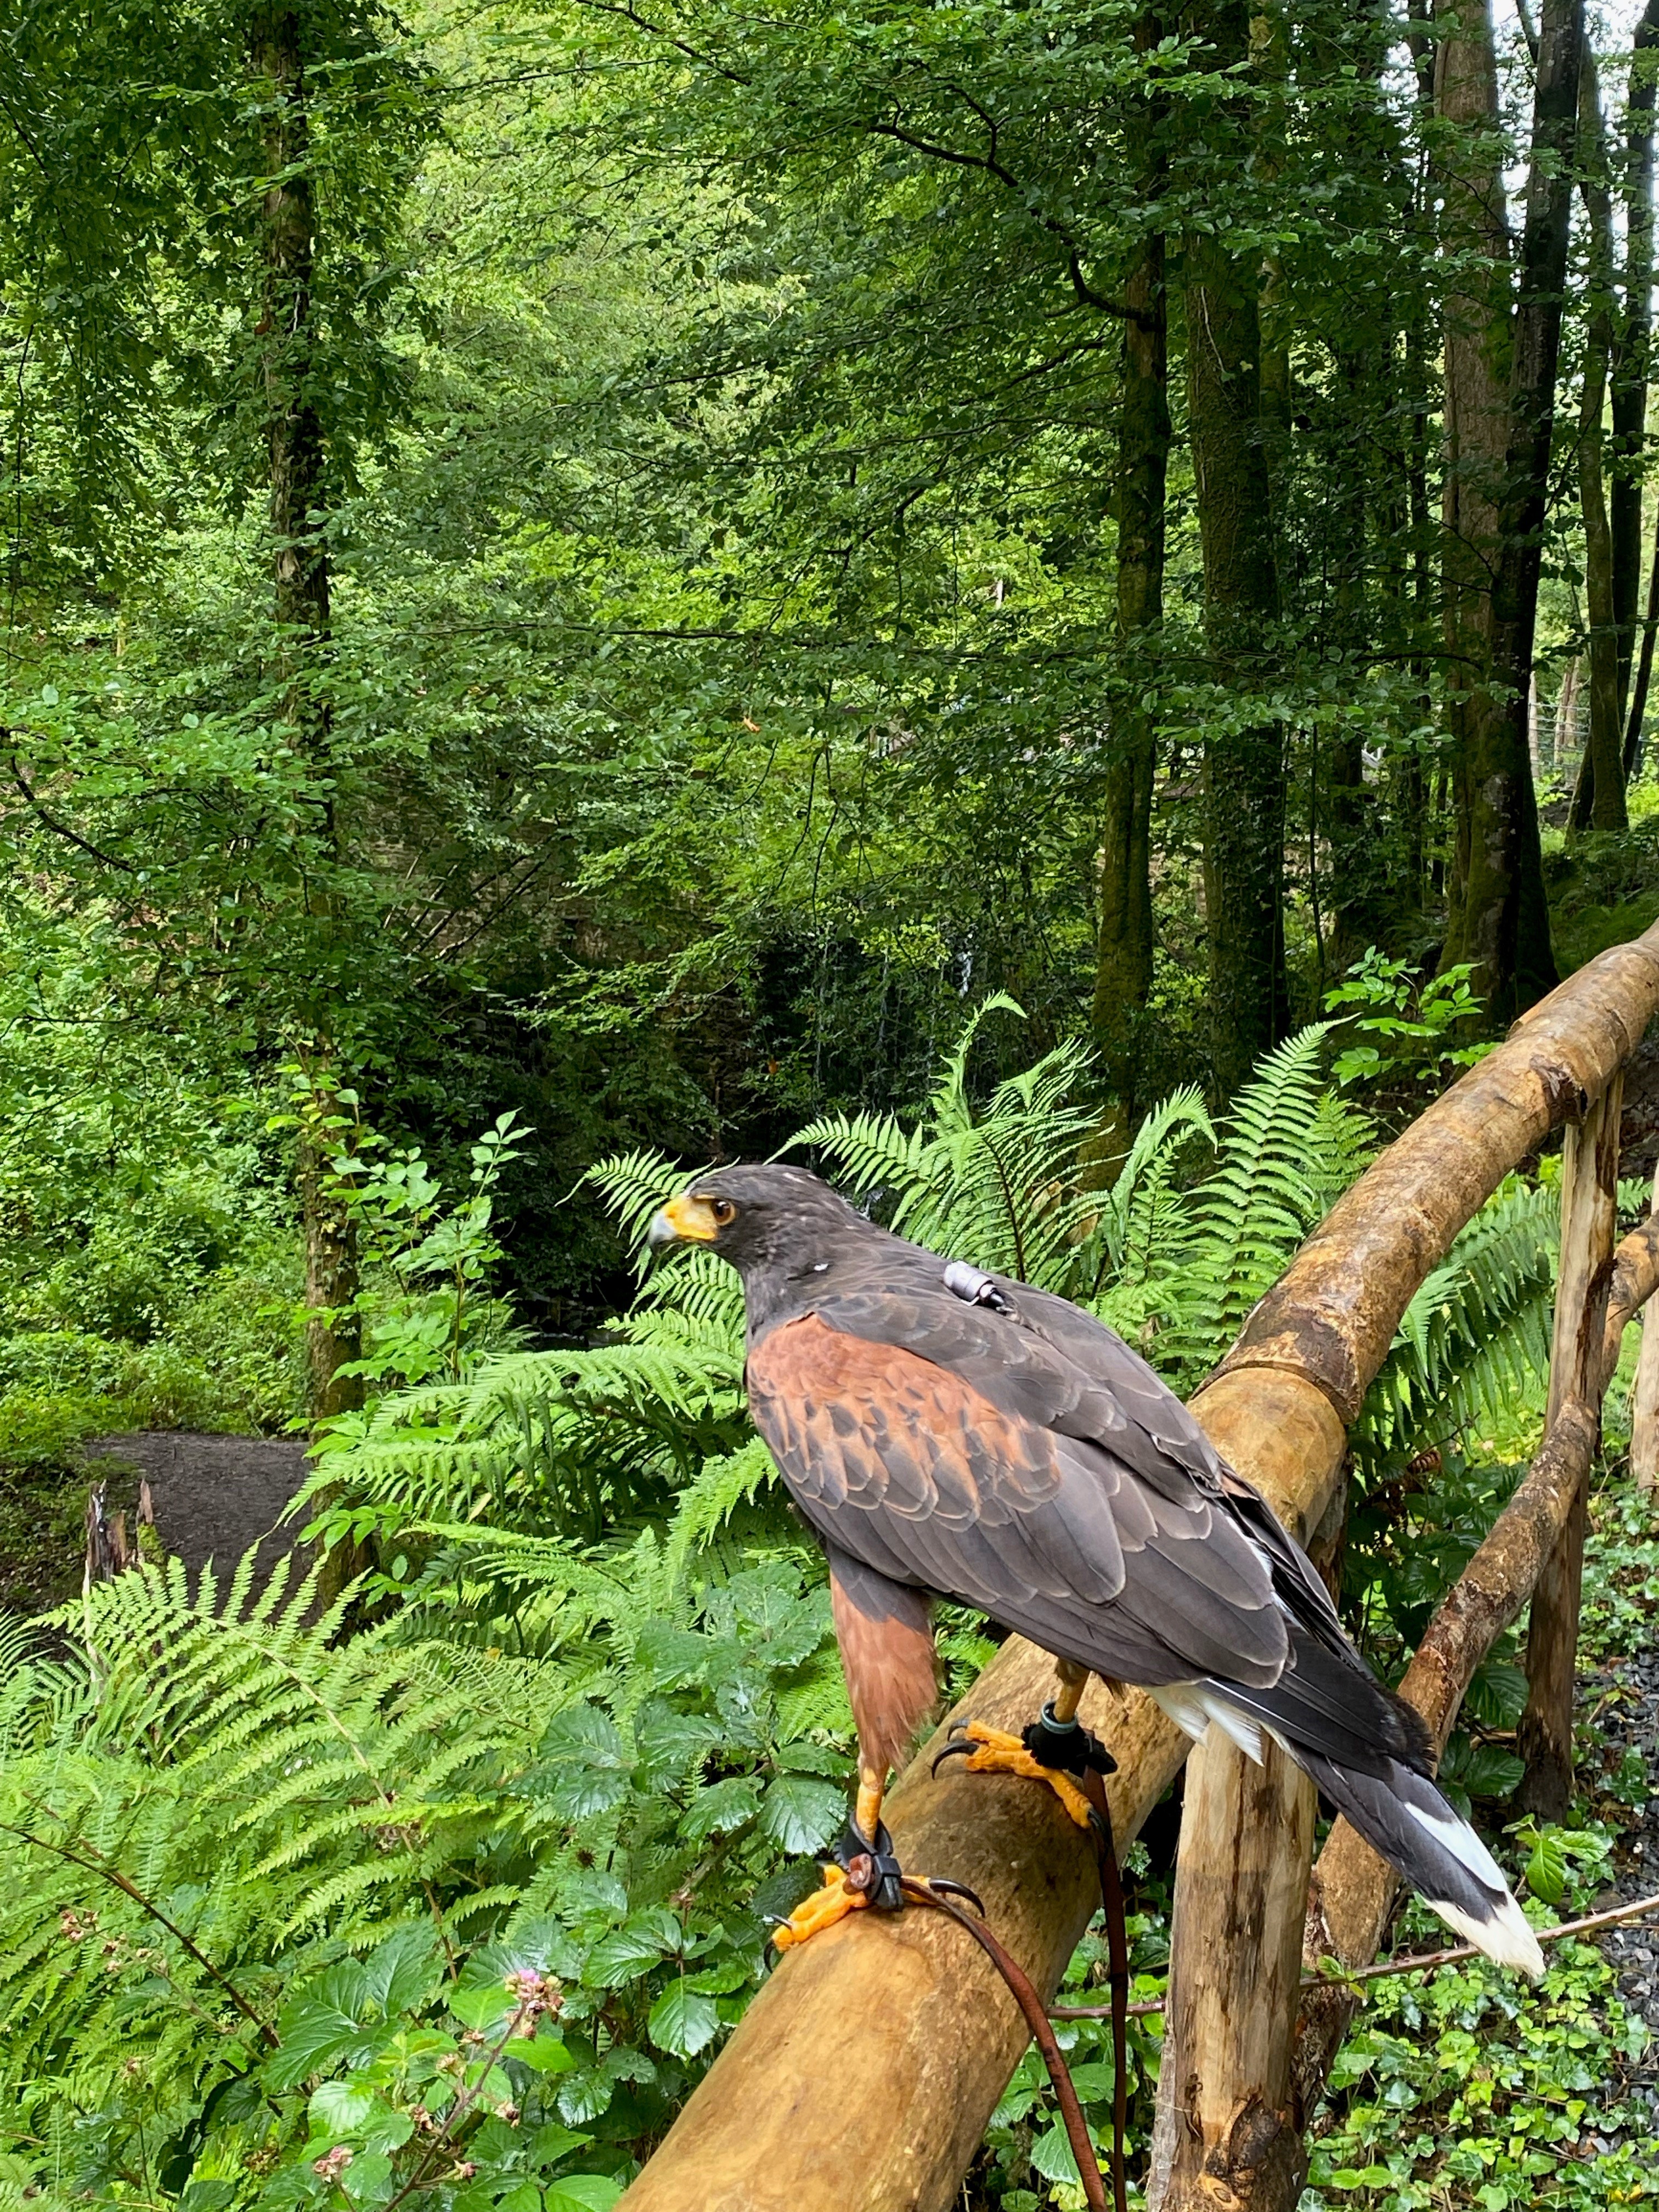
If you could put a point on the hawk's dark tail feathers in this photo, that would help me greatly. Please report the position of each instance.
(1371, 1755)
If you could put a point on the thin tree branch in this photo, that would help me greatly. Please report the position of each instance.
(1420, 1962)
(62, 829)
(112, 1874)
(989, 165)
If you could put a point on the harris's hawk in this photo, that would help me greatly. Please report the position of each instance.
(947, 1431)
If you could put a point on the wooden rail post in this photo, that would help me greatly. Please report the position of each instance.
(1590, 1227)
(1228, 2131)
(1644, 1393)
(1227, 2128)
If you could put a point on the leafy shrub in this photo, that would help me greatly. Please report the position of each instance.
(611, 1814)
(1457, 2090)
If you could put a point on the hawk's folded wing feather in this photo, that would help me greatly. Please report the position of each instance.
(955, 1449)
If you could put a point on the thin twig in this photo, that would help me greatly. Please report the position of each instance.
(462, 2106)
(119, 1880)
(1418, 1962)
(62, 829)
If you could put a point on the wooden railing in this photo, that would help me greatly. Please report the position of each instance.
(862, 2077)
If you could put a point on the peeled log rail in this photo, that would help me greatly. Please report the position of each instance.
(1644, 1396)
(861, 2078)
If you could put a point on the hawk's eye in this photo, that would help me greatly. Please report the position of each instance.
(723, 1210)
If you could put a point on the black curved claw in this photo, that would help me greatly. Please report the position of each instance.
(946, 1887)
(959, 1747)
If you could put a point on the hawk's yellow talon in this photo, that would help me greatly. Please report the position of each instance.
(821, 1910)
(1001, 1753)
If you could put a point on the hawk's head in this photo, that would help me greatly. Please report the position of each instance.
(760, 1218)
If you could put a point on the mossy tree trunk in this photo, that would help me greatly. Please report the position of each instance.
(1244, 755)
(1598, 801)
(298, 526)
(1501, 924)
(1476, 241)
(1124, 948)
(1629, 367)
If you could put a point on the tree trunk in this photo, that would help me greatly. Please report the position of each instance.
(1413, 784)
(1630, 366)
(299, 540)
(1599, 799)
(1360, 877)
(333, 1334)
(294, 431)
(1243, 766)
(1566, 713)
(1502, 923)
(1639, 698)
(1475, 240)
(1123, 959)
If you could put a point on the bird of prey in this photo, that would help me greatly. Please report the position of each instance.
(951, 1432)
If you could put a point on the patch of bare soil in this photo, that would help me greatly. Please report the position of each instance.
(213, 1497)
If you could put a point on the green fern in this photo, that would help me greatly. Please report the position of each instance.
(1288, 1148)
(998, 1188)
(1475, 1340)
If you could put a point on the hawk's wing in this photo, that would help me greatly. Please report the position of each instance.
(1024, 1461)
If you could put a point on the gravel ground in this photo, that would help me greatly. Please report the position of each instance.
(1624, 1695)
(214, 1496)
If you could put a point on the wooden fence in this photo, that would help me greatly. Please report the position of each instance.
(863, 2076)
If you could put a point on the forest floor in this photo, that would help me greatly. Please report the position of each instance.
(1618, 1702)
(214, 1496)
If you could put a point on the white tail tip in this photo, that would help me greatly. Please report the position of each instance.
(1505, 1937)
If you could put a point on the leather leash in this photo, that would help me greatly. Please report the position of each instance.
(1024, 1992)
(1093, 1786)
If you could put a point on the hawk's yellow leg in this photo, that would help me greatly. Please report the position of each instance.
(1001, 1754)
(837, 1897)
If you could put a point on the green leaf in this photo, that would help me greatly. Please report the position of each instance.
(1497, 1696)
(310, 2036)
(800, 1815)
(582, 2192)
(721, 1808)
(338, 2110)
(1546, 1869)
(1051, 2155)
(683, 2022)
(399, 1974)
(542, 2054)
(641, 1940)
(483, 2008)
(584, 2095)
(368, 2179)
(1491, 1772)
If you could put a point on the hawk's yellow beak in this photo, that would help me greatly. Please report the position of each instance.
(683, 1220)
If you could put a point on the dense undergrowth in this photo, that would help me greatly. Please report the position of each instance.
(456, 1892)
(148, 1275)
